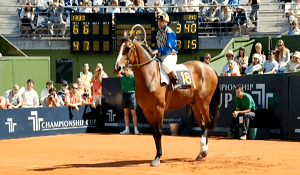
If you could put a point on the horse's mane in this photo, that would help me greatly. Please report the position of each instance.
(144, 50)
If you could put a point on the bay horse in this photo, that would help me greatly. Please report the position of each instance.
(155, 98)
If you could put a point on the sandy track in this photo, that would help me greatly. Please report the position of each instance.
(130, 155)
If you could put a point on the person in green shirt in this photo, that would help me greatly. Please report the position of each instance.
(129, 101)
(245, 108)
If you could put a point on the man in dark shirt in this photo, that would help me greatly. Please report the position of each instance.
(245, 108)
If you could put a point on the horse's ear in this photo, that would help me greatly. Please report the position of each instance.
(125, 33)
(132, 36)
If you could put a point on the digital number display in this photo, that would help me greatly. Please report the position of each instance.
(91, 33)
(185, 25)
(125, 21)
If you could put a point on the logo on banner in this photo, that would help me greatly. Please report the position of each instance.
(260, 91)
(36, 122)
(111, 115)
(11, 125)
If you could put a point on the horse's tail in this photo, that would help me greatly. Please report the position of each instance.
(214, 106)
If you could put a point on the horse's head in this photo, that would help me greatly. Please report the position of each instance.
(126, 55)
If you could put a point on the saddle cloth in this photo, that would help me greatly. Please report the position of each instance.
(182, 72)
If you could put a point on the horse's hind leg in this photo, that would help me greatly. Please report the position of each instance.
(199, 109)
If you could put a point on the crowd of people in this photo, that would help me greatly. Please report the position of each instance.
(279, 61)
(79, 94)
(53, 14)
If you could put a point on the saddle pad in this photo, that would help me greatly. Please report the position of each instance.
(182, 72)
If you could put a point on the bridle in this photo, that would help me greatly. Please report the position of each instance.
(133, 51)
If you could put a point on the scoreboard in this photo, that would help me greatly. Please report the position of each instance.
(91, 33)
(125, 21)
(185, 25)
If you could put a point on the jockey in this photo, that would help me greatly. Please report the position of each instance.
(166, 47)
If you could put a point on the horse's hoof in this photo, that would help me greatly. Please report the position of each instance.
(155, 162)
(202, 156)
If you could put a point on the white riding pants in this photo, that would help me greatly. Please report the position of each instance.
(168, 62)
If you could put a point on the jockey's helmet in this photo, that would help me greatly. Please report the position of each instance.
(164, 16)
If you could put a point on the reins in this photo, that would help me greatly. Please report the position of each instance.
(133, 49)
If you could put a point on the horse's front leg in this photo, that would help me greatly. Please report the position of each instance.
(203, 146)
(155, 120)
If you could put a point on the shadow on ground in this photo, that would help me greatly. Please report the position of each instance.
(125, 163)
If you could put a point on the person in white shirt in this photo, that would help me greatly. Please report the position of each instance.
(294, 64)
(85, 7)
(29, 97)
(255, 66)
(13, 98)
(112, 9)
(45, 91)
(230, 56)
(270, 66)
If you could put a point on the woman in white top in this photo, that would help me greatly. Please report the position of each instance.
(258, 49)
(255, 66)
(242, 60)
(282, 56)
(294, 64)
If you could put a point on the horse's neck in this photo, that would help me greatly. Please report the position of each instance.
(147, 76)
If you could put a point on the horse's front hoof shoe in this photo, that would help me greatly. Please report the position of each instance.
(155, 162)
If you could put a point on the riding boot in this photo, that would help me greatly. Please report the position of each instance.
(174, 80)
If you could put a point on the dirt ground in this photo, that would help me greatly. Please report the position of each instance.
(86, 154)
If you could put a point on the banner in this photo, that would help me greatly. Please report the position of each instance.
(294, 108)
(28, 122)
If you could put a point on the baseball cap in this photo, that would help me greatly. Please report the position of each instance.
(64, 83)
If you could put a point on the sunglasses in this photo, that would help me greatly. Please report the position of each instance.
(271, 53)
(74, 88)
(279, 45)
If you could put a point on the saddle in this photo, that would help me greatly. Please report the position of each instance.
(182, 72)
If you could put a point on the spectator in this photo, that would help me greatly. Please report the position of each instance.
(86, 76)
(87, 98)
(207, 58)
(13, 98)
(262, 56)
(240, 16)
(255, 66)
(27, 16)
(294, 64)
(211, 15)
(3, 103)
(139, 6)
(231, 71)
(29, 96)
(62, 92)
(194, 5)
(242, 60)
(52, 100)
(151, 3)
(113, 9)
(295, 14)
(182, 4)
(234, 4)
(55, 19)
(229, 56)
(282, 56)
(97, 84)
(129, 101)
(85, 7)
(71, 6)
(45, 92)
(245, 108)
(103, 74)
(254, 12)
(73, 98)
(80, 86)
(225, 18)
(42, 6)
(270, 66)
(295, 29)
(157, 9)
